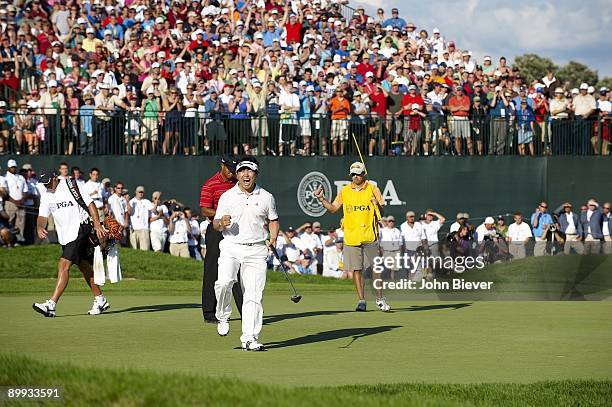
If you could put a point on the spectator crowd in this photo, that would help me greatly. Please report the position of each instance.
(165, 225)
(267, 77)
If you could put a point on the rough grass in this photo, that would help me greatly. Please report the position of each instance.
(83, 387)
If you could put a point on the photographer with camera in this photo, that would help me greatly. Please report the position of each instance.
(539, 220)
(490, 244)
(178, 231)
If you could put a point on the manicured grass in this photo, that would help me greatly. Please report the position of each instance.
(129, 387)
(152, 347)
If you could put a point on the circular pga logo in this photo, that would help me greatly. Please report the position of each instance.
(305, 193)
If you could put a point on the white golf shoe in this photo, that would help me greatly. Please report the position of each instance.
(382, 305)
(98, 307)
(252, 346)
(223, 328)
(46, 308)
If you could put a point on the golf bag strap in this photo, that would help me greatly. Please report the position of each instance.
(74, 190)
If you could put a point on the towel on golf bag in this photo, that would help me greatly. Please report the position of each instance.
(113, 265)
(98, 267)
(112, 271)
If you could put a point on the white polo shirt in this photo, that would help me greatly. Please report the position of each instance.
(141, 209)
(180, 232)
(17, 186)
(249, 214)
(482, 231)
(67, 214)
(519, 233)
(390, 239)
(159, 225)
(431, 230)
(309, 242)
(95, 191)
(3, 184)
(118, 207)
(412, 235)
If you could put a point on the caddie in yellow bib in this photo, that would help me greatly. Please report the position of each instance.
(362, 205)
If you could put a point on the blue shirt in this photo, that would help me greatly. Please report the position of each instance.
(543, 220)
(517, 102)
(268, 37)
(394, 22)
(525, 118)
(499, 107)
(305, 103)
(86, 113)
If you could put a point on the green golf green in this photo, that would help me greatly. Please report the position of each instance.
(155, 328)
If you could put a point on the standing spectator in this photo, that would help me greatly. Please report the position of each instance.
(561, 131)
(173, 108)
(479, 123)
(95, 190)
(52, 106)
(118, 204)
(569, 223)
(541, 110)
(309, 243)
(413, 236)
(17, 194)
(151, 106)
(519, 234)
(526, 121)
(459, 108)
(86, 114)
(431, 229)
(602, 128)
(340, 109)
(584, 106)
(607, 227)
(178, 231)
(499, 110)
(159, 223)
(390, 242)
(194, 235)
(31, 203)
(412, 105)
(592, 227)
(140, 209)
(540, 222)
(289, 102)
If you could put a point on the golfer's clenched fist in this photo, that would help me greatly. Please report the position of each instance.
(226, 220)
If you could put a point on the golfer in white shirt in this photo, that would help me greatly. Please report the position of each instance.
(242, 215)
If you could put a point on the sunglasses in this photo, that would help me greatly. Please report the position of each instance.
(356, 175)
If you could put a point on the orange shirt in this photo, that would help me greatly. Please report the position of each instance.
(340, 108)
(462, 101)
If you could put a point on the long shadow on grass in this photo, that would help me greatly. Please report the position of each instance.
(155, 308)
(354, 333)
(434, 307)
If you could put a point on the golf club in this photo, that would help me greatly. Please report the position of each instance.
(295, 297)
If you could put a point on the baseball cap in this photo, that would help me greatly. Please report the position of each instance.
(26, 166)
(410, 213)
(140, 188)
(52, 84)
(357, 168)
(11, 163)
(390, 217)
(46, 176)
(584, 86)
(489, 220)
(229, 161)
(155, 65)
(369, 74)
(316, 224)
(290, 229)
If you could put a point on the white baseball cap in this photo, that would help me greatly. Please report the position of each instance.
(369, 74)
(584, 86)
(357, 168)
(52, 84)
(155, 65)
(591, 89)
(489, 221)
(11, 163)
(436, 31)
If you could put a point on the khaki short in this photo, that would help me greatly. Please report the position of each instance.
(359, 257)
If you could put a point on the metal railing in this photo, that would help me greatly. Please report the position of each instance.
(194, 133)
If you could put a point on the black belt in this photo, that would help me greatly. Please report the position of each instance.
(251, 244)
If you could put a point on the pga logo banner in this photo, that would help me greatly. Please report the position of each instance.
(311, 206)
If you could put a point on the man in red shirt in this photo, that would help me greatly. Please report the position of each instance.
(412, 106)
(459, 107)
(210, 193)
(294, 28)
(378, 109)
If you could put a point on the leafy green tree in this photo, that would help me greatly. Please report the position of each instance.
(607, 82)
(576, 73)
(534, 67)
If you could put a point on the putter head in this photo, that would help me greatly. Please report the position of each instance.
(296, 298)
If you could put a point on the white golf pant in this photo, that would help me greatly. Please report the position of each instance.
(251, 261)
